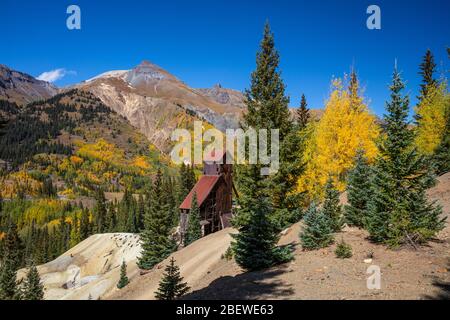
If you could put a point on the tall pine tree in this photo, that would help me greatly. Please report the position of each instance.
(12, 258)
(398, 211)
(155, 238)
(427, 70)
(303, 113)
(261, 196)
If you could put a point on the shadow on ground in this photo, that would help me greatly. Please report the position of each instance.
(250, 285)
(443, 288)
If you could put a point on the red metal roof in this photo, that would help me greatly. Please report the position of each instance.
(203, 187)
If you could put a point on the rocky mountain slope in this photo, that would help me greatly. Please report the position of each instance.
(22, 88)
(156, 102)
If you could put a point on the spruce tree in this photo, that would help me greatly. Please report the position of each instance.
(267, 108)
(262, 197)
(171, 285)
(332, 208)
(427, 70)
(85, 224)
(194, 230)
(123, 281)
(303, 113)
(318, 231)
(156, 242)
(140, 213)
(100, 212)
(12, 258)
(398, 210)
(267, 105)
(358, 191)
(32, 287)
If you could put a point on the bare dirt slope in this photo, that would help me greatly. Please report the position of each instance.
(91, 268)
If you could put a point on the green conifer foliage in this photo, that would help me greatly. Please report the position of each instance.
(398, 210)
(427, 70)
(33, 289)
(303, 113)
(194, 230)
(171, 285)
(156, 242)
(332, 208)
(317, 232)
(12, 257)
(358, 191)
(123, 281)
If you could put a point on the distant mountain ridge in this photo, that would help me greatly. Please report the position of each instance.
(21, 88)
(156, 102)
(150, 98)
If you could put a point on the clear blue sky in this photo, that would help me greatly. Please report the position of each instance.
(208, 42)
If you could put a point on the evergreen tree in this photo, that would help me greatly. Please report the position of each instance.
(111, 218)
(63, 233)
(100, 211)
(267, 108)
(255, 246)
(318, 230)
(332, 207)
(156, 242)
(358, 191)
(85, 225)
(171, 285)
(194, 230)
(123, 281)
(303, 113)
(33, 288)
(267, 105)
(140, 213)
(427, 70)
(398, 210)
(12, 258)
(74, 232)
(263, 198)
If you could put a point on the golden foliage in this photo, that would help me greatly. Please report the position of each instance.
(140, 162)
(332, 143)
(431, 123)
(101, 150)
(19, 182)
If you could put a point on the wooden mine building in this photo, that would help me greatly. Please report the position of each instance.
(214, 192)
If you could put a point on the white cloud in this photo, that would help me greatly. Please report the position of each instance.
(55, 75)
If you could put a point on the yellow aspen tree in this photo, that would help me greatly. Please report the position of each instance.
(431, 115)
(346, 126)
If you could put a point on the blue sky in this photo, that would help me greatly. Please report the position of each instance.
(208, 42)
